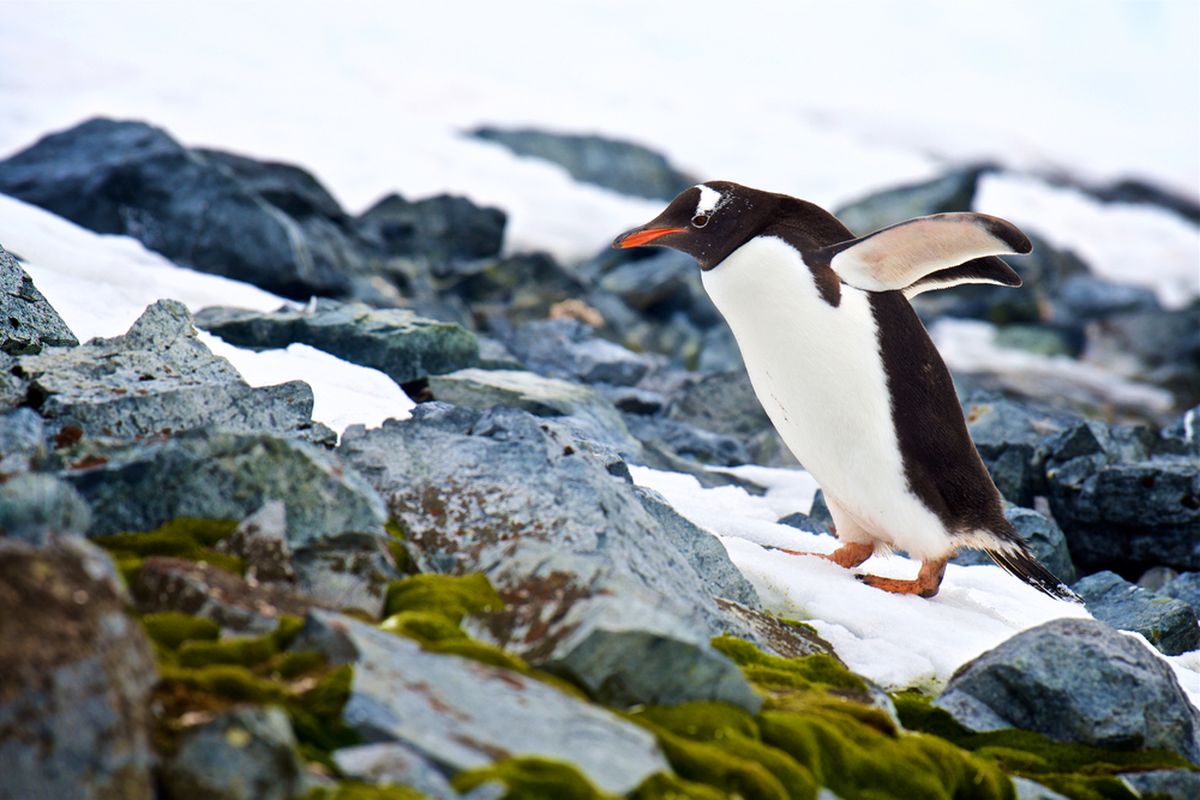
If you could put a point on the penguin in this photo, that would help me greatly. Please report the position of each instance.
(847, 373)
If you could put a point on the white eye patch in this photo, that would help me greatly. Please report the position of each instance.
(709, 200)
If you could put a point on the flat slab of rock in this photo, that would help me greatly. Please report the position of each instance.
(1168, 624)
(1077, 680)
(216, 475)
(594, 584)
(28, 323)
(393, 762)
(463, 714)
(158, 377)
(397, 342)
(75, 677)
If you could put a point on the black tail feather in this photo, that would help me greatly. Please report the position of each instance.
(1022, 564)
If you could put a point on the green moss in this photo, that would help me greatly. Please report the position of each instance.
(426, 627)
(355, 790)
(453, 597)
(184, 537)
(777, 673)
(532, 779)
(400, 554)
(170, 629)
(244, 650)
(665, 786)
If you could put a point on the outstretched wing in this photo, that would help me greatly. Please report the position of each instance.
(927, 253)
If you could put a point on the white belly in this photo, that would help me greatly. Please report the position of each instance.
(818, 373)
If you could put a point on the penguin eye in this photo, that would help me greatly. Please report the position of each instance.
(700, 220)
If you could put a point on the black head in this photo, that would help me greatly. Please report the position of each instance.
(708, 221)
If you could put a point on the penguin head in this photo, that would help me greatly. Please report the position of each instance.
(708, 222)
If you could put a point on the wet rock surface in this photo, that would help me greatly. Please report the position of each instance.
(1168, 624)
(462, 714)
(1076, 681)
(30, 323)
(75, 675)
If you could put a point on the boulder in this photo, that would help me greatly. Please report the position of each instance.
(441, 228)
(1126, 498)
(396, 342)
(1085, 298)
(1185, 587)
(951, 191)
(22, 442)
(1135, 190)
(217, 475)
(461, 714)
(578, 407)
(35, 505)
(30, 323)
(1076, 680)
(615, 164)
(347, 571)
(1045, 539)
(156, 379)
(1012, 439)
(75, 677)
(1164, 345)
(687, 440)
(568, 349)
(1168, 624)
(130, 178)
(260, 540)
(1164, 784)
(394, 763)
(244, 754)
(595, 587)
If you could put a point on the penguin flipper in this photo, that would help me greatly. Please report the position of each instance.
(978, 270)
(903, 254)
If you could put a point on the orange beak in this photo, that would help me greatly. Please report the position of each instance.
(635, 238)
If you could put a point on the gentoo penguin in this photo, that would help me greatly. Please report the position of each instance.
(846, 371)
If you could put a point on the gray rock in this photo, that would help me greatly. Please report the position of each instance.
(22, 442)
(1121, 500)
(1186, 587)
(803, 522)
(1164, 784)
(245, 754)
(260, 540)
(1076, 680)
(1045, 539)
(34, 505)
(441, 228)
(202, 590)
(159, 377)
(565, 348)
(130, 178)
(1168, 624)
(1163, 346)
(725, 403)
(1085, 297)
(687, 440)
(394, 763)
(13, 389)
(1156, 578)
(522, 286)
(819, 513)
(494, 355)
(615, 164)
(462, 714)
(30, 323)
(595, 587)
(75, 677)
(1012, 439)
(204, 473)
(351, 570)
(952, 191)
(1042, 340)
(396, 342)
(579, 407)
(1032, 790)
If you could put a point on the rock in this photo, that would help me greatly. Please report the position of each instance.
(13, 390)
(1156, 578)
(22, 442)
(595, 588)
(725, 403)
(33, 505)
(1042, 340)
(462, 714)
(615, 164)
(803, 522)
(952, 191)
(1032, 790)
(1184, 433)
(1168, 624)
(441, 228)
(261, 542)
(683, 439)
(580, 408)
(244, 754)
(130, 178)
(1133, 190)
(819, 513)
(160, 378)
(349, 571)
(394, 341)
(1045, 539)
(202, 590)
(567, 349)
(1085, 298)
(1185, 587)
(1011, 438)
(394, 763)
(1165, 345)
(1124, 499)
(219, 475)
(1164, 784)
(75, 677)
(1076, 680)
(524, 286)
(30, 323)
(494, 355)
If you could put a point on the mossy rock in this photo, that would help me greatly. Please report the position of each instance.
(192, 538)
(532, 779)
(355, 790)
(170, 629)
(820, 671)
(450, 596)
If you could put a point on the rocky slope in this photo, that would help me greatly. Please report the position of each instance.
(207, 593)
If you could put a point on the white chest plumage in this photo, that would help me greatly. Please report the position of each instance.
(819, 375)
